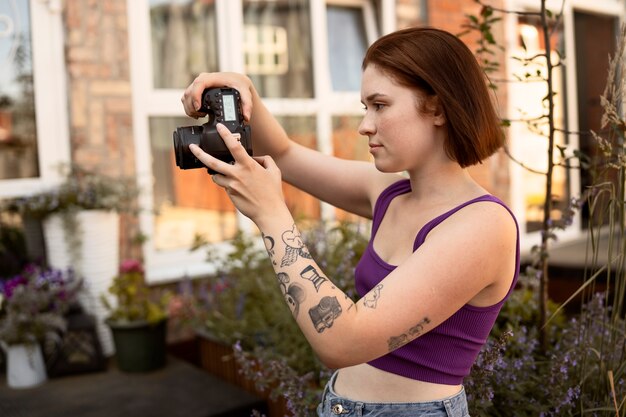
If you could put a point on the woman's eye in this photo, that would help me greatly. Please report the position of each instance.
(375, 106)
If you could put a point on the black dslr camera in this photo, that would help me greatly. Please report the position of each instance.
(222, 105)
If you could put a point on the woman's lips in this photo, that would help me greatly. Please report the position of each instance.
(374, 146)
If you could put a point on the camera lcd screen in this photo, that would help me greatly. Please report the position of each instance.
(229, 108)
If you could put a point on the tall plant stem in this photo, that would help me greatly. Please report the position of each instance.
(547, 207)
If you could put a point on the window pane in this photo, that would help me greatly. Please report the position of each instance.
(527, 96)
(594, 39)
(277, 47)
(187, 202)
(349, 144)
(347, 43)
(184, 41)
(18, 135)
(301, 130)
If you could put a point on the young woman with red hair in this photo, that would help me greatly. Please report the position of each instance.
(444, 253)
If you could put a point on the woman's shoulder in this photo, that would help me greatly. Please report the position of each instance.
(484, 216)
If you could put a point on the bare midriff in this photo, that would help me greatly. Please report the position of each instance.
(368, 384)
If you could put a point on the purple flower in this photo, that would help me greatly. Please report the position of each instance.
(11, 285)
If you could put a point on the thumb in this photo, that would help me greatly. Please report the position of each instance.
(266, 162)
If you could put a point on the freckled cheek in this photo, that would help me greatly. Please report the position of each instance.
(386, 126)
(392, 129)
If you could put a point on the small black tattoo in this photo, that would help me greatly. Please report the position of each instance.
(370, 300)
(269, 246)
(295, 247)
(324, 314)
(294, 296)
(418, 329)
(312, 275)
(395, 342)
(283, 280)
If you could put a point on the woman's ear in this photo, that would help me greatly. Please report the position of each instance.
(432, 106)
(439, 116)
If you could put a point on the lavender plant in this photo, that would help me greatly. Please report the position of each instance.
(579, 369)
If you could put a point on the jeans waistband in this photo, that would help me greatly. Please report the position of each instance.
(333, 405)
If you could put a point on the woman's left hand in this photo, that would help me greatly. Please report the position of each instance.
(252, 183)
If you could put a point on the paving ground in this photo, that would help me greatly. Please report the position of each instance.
(178, 390)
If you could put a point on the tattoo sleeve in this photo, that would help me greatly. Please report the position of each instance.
(302, 284)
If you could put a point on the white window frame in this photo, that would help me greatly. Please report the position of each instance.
(50, 90)
(613, 8)
(164, 266)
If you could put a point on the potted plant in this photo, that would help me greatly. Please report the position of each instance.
(82, 190)
(32, 309)
(80, 220)
(138, 319)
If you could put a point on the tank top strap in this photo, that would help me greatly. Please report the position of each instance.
(384, 199)
(423, 232)
(421, 235)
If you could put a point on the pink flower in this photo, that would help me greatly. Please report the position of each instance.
(131, 265)
(176, 306)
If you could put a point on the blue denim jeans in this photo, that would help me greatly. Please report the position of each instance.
(333, 405)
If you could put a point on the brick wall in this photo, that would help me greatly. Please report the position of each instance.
(96, 48)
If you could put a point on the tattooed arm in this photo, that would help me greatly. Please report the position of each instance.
(325, 314)
(424, 290)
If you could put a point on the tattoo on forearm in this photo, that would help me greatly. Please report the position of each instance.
(294, 296)
(269, 246)
(283, 280)
(294, 293)
(395, 342)
(312, 275)
(324, 314)
(294, 247)
(371, 299)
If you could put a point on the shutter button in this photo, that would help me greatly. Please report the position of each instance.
(337, 409)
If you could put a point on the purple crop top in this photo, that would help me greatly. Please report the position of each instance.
(445, 354)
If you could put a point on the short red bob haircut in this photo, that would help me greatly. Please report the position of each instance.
(439, 65)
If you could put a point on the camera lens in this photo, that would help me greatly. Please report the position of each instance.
(178, 150)
(182, 138)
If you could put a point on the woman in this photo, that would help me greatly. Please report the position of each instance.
(443, 255)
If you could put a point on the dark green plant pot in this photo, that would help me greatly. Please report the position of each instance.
(139, 346)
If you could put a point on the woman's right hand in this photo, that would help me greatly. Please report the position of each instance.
(192, 96)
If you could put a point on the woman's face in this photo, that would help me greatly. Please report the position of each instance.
(401, 138)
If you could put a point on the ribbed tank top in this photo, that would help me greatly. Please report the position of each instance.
(445, 354)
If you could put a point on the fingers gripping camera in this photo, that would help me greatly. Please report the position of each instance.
(222, 105)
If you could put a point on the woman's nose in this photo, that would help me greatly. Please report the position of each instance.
(366, 127)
